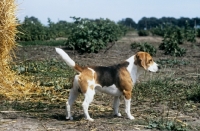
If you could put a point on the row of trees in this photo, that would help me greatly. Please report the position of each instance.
(152, 22)
(33, 29)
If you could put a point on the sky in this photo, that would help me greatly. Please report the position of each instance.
(113, 9)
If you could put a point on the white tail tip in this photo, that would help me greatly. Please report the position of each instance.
(65, 57)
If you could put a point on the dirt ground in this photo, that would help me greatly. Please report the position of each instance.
(54, 120)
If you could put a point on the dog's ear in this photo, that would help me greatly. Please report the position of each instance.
(140, 59)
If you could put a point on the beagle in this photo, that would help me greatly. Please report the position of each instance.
(115, 80)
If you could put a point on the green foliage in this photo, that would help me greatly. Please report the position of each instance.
(158, 30)
(128, 22)
(198, 32)
(91, 36)
(46, 43)
(189, 33)
(194, 94)
(161, 90)
(143, 32)
(169, 125)
(46, 73)
(144, 47)
(170, 63)
(167, 30)
(31, 29)
(170, 45)
(182, 34)
(152, 22)
(174, 36)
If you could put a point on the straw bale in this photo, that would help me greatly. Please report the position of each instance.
(11, 85)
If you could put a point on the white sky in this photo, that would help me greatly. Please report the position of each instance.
(113, 9)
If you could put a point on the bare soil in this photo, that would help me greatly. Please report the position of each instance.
(53, 119)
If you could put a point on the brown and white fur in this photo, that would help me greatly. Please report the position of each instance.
(115, 80)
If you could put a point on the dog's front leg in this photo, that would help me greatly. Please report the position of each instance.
(127, 108)
(116, 106)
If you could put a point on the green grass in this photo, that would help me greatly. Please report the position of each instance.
(46, 73)
(170, 63)
(164, 99)
(46, 43)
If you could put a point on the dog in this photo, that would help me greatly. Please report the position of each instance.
(116, 80)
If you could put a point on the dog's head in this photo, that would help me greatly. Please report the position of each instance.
(145, 60)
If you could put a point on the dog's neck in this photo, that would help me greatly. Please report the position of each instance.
(133, 69)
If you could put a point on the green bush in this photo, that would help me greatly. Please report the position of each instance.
(175, 36)
(144, 47)
(170, 44)
(91, 36)
(183, 34)
(189, 33)
(159, 30)
(143, 32)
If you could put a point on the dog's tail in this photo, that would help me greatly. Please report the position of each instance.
(68, 60)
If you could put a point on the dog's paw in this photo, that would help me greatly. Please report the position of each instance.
(118, 114)
(90, 119)
(69, 118)
(131, 117)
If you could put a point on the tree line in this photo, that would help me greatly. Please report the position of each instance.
(31, 29)
(152, 22)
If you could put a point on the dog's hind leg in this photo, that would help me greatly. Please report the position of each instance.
(89, 95)
(72, 97)
(116, 106)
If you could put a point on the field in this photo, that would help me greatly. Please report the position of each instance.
(167, 100)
